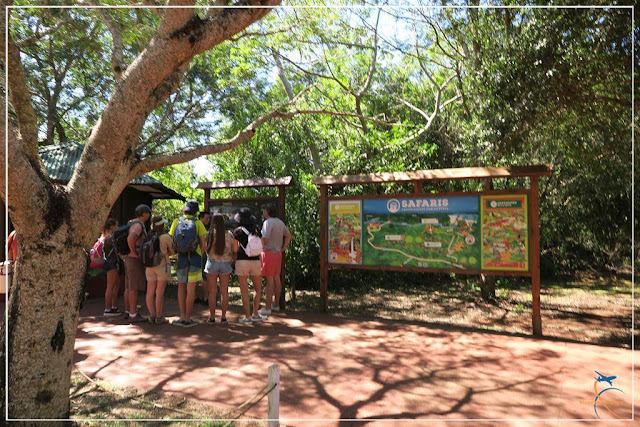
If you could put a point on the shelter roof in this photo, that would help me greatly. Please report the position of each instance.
(60, 161)
(436, 175)
(247, 183)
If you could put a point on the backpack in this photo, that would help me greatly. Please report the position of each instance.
(150, 253)
(186, 236)
(254, 244)
(96, 255)
(121, 235)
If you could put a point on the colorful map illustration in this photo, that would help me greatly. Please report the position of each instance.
(345, 232)
(505, 236)
(430, 232)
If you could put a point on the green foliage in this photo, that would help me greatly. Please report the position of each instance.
(516, 86)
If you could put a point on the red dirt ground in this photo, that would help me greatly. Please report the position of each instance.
(343, 368)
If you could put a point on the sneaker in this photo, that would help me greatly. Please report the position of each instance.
(275, 308)
(138, 318)
(152, 320)
(127, 315)
(211, 321)
(110, 312)
(223, 321)
(244, 320)
(264, 312)
(189, 323)
(178, 322)
(116, 310)
(257, 318)
(161, 320)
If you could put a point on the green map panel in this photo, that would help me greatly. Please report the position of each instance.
(426, 240)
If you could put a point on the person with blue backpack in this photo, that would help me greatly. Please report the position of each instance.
(188, 234)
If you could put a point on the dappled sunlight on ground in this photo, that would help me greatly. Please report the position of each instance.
(335, 367)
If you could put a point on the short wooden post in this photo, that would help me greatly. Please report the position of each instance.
(535, 258)
(417, 187)
(324, 246)
(274, 396)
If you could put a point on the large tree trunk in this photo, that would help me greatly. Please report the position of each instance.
(42, 321)
(56, 223)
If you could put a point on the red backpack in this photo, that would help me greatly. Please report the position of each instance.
(97, 254)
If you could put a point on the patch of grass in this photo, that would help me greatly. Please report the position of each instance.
(90, 401)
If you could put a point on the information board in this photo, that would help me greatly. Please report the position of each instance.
(428, 232)
(230, 208)
(505, 233)
(439, 232)
(345, 232)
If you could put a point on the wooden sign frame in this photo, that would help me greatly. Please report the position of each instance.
(418, 177)
(280, 183)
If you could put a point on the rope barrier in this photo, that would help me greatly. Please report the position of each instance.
(251, 406)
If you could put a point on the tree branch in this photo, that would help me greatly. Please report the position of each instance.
(150, 163)
(117, 63)
(174, 19)
(37, 35)
(20, 98)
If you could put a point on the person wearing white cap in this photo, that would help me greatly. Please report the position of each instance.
(158, 276)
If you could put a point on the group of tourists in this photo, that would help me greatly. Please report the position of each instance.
(256, 253)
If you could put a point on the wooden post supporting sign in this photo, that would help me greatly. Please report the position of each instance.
(535, 258)
(324, 227)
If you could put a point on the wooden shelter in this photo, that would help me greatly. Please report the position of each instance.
(520, 201)
(279, 201)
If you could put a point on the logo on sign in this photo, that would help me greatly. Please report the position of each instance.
(393, 205)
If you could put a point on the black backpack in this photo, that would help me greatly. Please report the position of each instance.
(121, 235)
(150, 254)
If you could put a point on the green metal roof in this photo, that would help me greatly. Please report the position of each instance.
(60, 161)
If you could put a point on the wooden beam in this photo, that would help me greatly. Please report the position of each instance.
(534, 258)
(324, 247)
(207, 199)
(247, 183)
(436, 175)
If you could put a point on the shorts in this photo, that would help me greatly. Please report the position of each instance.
(245, 267)
(189, 268)
(110, 266)
(160, 272)
(134, 279)
(214, 267)
(271, 263)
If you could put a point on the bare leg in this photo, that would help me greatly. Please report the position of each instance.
(269, 297)
(133, 302)
(116, 289)
(257, 286)
(112, 277)
(160, 297)
(205, 287)
(151, 293)
(213, 293)
(244, 291)
(224, 293)
(126, 299)
(191, 298)
(182, 300)
(277, 290)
